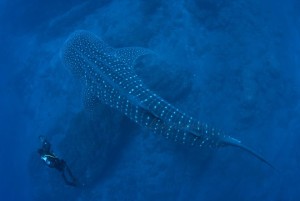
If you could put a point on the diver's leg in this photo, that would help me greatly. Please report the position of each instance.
(66, 180)
(73, 181)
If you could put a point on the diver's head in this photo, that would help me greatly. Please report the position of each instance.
(42, 138)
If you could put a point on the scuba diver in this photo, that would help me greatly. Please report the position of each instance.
(53, 162)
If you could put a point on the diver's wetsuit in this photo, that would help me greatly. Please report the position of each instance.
(53, 162)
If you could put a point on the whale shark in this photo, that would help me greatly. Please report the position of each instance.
(107, 75)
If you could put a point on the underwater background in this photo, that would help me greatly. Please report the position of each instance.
(234, 64)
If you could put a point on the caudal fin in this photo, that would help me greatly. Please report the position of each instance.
(236, 143)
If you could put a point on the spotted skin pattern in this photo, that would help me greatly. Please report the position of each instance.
(108, 76)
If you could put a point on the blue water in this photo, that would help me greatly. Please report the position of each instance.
(232, 64)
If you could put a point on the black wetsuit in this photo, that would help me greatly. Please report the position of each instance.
(53, 162)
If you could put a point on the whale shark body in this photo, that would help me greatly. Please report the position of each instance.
(108, 76)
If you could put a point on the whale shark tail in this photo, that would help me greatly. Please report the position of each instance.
(230, 141)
